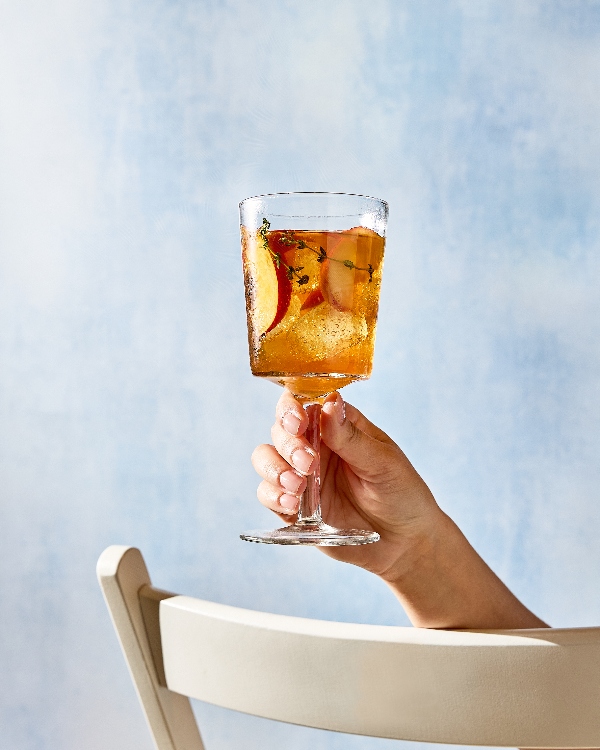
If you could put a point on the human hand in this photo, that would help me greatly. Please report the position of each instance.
(366, 482)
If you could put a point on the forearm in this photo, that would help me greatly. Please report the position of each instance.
(443, 583)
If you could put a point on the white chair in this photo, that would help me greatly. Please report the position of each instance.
(528, 688)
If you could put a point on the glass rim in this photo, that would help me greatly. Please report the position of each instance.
(314, 192)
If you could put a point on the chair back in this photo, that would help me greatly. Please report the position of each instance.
(528, 688)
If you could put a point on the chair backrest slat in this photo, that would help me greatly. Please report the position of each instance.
(520, 688)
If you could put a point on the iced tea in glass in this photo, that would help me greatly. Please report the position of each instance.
(312, 272)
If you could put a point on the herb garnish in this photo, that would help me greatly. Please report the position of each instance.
(288, 239)
(291, 271)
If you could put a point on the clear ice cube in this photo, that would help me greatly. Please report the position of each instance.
(324, 332)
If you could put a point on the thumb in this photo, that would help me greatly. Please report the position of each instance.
(358, 442)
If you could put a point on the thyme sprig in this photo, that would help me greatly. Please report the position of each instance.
(289, 239)
(290, 270)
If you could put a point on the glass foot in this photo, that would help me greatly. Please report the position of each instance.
(317, 535)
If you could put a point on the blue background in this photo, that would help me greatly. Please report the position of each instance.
(129, 131)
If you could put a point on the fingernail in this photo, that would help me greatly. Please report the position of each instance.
(288, 503)
(291, 423)
(340, 406)
(303, 460)
(336, 409)
(291, 481)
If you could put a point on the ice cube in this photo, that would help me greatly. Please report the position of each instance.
(324, 332)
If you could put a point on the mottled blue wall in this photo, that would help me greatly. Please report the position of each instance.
(129, 131)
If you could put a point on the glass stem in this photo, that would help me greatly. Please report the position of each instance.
(309, 512)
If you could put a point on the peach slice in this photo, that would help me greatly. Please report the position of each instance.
(273, 290)
(337, 279)
(284, 295)
(364, 231)
(314, 298)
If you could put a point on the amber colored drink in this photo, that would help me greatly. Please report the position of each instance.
(312, 271)
(311, 300)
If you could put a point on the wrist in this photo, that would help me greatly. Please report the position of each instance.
(415, 553)
(442, 582)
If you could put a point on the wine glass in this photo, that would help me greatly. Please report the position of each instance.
(312, 273)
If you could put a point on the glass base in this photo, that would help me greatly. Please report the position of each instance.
(312, 386)
(316, 535)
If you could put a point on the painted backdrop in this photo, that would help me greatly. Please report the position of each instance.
(129, 131)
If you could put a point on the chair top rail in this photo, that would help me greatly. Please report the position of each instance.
(385, 633)
(527, 688)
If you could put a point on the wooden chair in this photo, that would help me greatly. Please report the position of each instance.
(528, 688)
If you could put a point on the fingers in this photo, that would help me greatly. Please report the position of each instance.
(285, 465)
(334, 401)
(274, 469)
(295, 450)
(366, 448)
(290, 414)
(282, 486)
(344, 429)
(273, 499)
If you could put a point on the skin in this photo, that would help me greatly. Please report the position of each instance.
(367, 482)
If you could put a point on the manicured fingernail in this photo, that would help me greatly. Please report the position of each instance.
(291, 481)
(291, 423)
(288, 503)
(303, 460)
(336, 409)
(340, 406)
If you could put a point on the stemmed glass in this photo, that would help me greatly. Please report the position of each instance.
(312, 273)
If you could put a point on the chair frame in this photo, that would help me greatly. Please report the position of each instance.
(525, 688)
(134, 608)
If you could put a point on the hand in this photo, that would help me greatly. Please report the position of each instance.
(367, 482)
